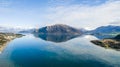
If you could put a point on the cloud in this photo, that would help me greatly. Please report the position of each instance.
(4, 3)
(76, 13)
(115, 23)
(79, 2)
(59, 2)
(84, 15)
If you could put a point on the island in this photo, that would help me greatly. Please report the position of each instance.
(5, 38)
(113, 43)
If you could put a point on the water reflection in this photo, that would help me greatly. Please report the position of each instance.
(5, 38)
(103, 36)
(56, 37)
(78, 52)
(3, 44)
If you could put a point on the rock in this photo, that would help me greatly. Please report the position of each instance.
(108, 43)
(113, 43)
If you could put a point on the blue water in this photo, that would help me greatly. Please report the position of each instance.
(32, 51)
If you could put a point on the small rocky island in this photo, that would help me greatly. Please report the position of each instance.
(113, 43)
(6, 38)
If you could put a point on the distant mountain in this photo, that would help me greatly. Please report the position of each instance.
(106, 29)
(27, 31)
(59, 29)
(5, 29)
(9, 29)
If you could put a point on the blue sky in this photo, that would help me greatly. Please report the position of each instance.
(77, 13)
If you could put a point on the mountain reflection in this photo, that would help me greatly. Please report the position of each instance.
(103, 36)
(55, 37)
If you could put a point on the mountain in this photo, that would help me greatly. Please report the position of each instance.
(117, 37)
(59, 29)
(27, 31)
(106, 30)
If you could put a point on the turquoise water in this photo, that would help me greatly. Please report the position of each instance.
(35, 51)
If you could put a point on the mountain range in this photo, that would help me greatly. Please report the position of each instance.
(63, 29)
(106, 30)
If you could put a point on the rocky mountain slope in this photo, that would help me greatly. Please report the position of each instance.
(106, 30)
(59, 29)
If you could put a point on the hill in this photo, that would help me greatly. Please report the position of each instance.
(106, 30)
(59, 29)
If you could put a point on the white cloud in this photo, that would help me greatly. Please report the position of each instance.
(4, 3)
(115, 23)
(3, 6)
(84, 15)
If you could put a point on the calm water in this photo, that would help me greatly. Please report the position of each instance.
(64, 51)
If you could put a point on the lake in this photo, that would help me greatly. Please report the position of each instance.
(57, 51)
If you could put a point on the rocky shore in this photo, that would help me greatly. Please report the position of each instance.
(6, 38)
(113, 43)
